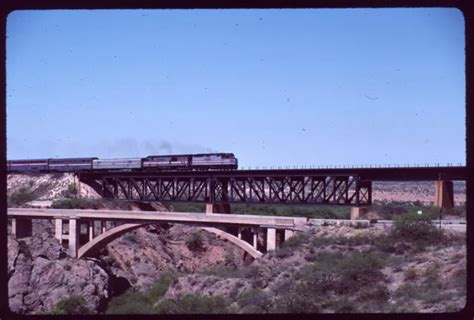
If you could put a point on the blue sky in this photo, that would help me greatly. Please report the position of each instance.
(275, 87)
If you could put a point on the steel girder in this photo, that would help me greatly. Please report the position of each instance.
(285, 189)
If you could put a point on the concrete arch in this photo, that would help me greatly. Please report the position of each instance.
(100, 241)
(238, 242)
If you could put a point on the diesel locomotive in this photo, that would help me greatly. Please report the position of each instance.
(202, 161)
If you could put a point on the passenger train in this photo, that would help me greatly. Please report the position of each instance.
(183, 162)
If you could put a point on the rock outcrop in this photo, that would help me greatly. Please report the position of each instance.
(48, 186)
(142, 255)
(40, 274)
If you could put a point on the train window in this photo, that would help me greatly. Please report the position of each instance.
(174, 159)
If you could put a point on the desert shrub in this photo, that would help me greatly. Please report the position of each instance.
(454, 239)
(20, 197)
(410, 274)
(195, 242)
(291, 244)
(130, 303)
(298, 297)
(71, 305)
(385, 243)
(296, 241)
(255, 301)
(342, 273)
(429, 212)
(356, 240)
(459, 280)
(426, 293)
(345, 305)
(359, 269)
(193, 304)
(70, 192)
(431, 273)
(250, 272)
(188, 207)
(389, 211)
(283, 252)
(159, 288)
(133, 302)
(322, 212)
(459, 211)
(130, 237)
(76, 203)
(221, 270)
(417, 229)
(376, 293)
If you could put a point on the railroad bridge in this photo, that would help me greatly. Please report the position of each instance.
(241, 230)
(329, 186)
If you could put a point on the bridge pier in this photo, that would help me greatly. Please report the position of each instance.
(22, 228)
(90, 232)
(271, 239)
(217, 208)
(444, 194)
(254, 242)
(74, 231)
(58, 229)
(357, 211)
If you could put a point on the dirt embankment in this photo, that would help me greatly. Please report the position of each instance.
(422, 191)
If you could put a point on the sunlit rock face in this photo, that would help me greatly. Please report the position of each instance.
(40, 274)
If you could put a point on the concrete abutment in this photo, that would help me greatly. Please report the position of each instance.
(356, 212)
(444, 194)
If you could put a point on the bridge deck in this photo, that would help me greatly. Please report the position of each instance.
(156, 216)
(401, 173)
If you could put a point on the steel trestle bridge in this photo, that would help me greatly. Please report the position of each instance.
(335, 186)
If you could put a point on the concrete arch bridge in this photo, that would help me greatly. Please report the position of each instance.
(241, 230)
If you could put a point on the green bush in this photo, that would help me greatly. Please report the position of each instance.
(70, 192)
(283, 252)
(193, 304)
(246, 272)
(130, 237)
(296, 241)
(343, 273)
(417, 229)
(71, 305)
(321, 212)
(456, 211)
(20, 197)
(141, 302)
(159, 289)
(255, 301)
(130, 303)
(410, 274)
(76, 203)
(298, 297)
(195, 242)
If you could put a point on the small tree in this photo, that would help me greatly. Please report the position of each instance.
(195, 242)
(71, 305)
(20, 197)
(416, 228)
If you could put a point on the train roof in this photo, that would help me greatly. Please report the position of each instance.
(192, 154)
(81, 158)
(31, 160)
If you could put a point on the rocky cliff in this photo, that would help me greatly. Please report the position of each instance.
(41, 273)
